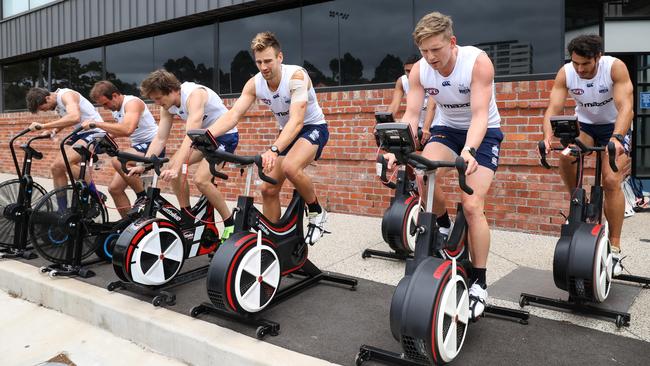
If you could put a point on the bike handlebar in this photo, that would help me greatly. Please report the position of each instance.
(581, 148)
(149, 161)
(382, 167)
(217, 156)
(459, 164)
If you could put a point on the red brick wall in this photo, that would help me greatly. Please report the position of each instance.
(524, 196)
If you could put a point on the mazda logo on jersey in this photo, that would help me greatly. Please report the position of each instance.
(577, 91)
(603, 90)
(431, 91)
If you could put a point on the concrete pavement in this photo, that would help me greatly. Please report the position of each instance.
(202, 343)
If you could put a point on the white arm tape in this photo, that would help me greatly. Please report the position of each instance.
(298, 89)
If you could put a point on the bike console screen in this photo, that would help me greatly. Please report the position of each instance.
(384, 117)
(105, 144)
(565, 127)
(202, 139)
(395, 138)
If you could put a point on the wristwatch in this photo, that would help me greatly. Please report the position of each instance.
(472, 151)
(619, 137)
(275, 149)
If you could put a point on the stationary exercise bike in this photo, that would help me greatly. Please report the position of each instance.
(245, 273)
(149, 253)
(429, 312)
(65, 222)
(399, 221)
(16, 197)
(582, 263)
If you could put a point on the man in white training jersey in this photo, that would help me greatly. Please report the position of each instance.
(461, 80)
(428, 107)
(200, 107)
(133, 120)
(290, 95)
(602, 89)
(73, 108)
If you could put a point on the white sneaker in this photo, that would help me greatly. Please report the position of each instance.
(316, 226)
(477, 298)
(617, 265)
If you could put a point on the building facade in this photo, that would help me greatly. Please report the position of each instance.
(353, 51)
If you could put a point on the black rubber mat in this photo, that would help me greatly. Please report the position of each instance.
(540, 282)
(331, 322)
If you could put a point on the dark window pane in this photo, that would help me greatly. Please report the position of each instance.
(628, 8)
(77, 71)
(188, 54)
(371, 37)
(236, 63)
(581, 17)
(528, 33)
(128, 63)
(17, 80)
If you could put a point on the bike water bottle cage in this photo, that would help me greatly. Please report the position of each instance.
(104, 144)
(395, 138)
(566, 128)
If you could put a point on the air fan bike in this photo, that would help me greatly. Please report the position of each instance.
(245, 273)
(16, 198)
(429, 312)
(65, 223)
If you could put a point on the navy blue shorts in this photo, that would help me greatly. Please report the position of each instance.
(316, 134)
(86, 137)
(602, 133)
(487, 154)
(143, 147)
(228, 142)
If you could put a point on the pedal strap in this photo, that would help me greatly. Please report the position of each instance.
(472, 304)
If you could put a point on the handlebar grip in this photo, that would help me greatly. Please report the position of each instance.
(461, 167)
(382, 167)
(216, 173)
(541, 146)
(260, 171)
(611, 153)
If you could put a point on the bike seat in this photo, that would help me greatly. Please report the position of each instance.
(30, 150)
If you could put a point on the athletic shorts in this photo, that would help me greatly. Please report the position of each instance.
(143, 147)
(228, 142)
(487, 154)
(602, 133)
(87, 137)
(315, 134)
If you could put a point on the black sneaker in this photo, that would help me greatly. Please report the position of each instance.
(139, 205)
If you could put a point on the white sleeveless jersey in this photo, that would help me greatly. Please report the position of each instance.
(87, 110)
(147, 127)
(213, 109)
(280, 100)
(452, 93)
(594, 97)
(423, 112)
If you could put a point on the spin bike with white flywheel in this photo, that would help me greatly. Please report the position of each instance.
(582, 263)
(429, 312)
(245, 273)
